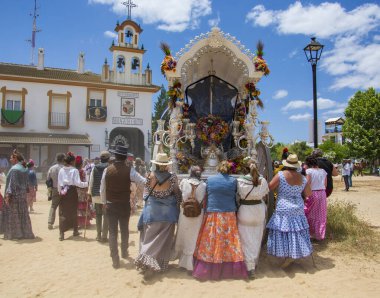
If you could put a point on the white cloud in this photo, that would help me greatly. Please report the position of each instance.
(260, 16)
(354, 59)
(322, 104)
(297, 104)
(110, 34)
(293, 53)
(324, 20)
(300, 117)
(173, 15)
(354, 62)
(280, 94)
(214, 22)
(336, 112)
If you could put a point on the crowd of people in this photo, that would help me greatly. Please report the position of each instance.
(214, 228)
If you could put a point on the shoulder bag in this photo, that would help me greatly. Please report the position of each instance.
(191, 207)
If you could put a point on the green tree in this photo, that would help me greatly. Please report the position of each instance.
(362, 126)
(159, 108)
(276, 151)
(335, 152)
(301, 149)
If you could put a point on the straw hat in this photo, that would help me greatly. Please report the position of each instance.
(162, 159)
(292, 162)
(105, 155)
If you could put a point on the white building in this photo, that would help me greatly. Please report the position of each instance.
(334, 130)
(48, 110)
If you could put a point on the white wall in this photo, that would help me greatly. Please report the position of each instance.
(37, 111)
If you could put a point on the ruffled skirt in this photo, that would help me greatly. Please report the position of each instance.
(289, 235)
(218, 254)
(156, 243)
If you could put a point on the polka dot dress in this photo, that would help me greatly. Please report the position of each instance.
(288, 227)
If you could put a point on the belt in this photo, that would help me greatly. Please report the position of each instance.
(250, 202)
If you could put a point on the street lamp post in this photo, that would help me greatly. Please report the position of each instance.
(313, 52)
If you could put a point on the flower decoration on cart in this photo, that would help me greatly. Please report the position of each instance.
(211, 129)
(238, 165)
(185, 162)
(175, 94)
(185, 111)
(253, 94)
(169, 63)
(260, 63)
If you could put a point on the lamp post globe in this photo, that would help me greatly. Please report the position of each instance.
(313, 52)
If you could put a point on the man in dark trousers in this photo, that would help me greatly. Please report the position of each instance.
(115, 193)
(327, 165)
(52, 177)
(94, 196)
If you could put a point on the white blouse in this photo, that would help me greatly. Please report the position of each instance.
(317, 178)
(186, 189)
(244, 186)
(69, 176)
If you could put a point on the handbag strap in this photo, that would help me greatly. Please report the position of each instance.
(249, 192)
(146, 197)
(193, 189)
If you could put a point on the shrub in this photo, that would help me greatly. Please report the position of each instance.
(348, 232)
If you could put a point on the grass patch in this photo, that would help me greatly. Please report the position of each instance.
(347, 232)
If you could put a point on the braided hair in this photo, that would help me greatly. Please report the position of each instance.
(254, 172)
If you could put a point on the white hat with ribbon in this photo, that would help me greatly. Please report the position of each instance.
(162, 159)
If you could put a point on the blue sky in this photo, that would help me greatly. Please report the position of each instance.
(350, 31)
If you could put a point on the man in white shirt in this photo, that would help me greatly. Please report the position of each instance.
(52, 179)
(346, 171)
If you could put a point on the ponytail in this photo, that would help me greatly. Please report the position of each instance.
(254, 172)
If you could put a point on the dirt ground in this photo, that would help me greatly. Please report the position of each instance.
(81, 267)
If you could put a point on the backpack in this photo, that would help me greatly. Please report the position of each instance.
(191, 207)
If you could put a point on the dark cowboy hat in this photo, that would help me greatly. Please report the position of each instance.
(120, 150)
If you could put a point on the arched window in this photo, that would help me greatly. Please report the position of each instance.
(135, 65)
(120, 63)
(129, 35)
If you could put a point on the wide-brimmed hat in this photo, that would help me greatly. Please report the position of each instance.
(105, 155)
(162, 159)
(120, 150)
(292, 162)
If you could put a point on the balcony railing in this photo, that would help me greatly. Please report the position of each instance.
(333, 129)
(96, 113)
(59, 120)
(12, 118)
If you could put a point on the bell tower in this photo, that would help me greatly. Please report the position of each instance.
(127, 53)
